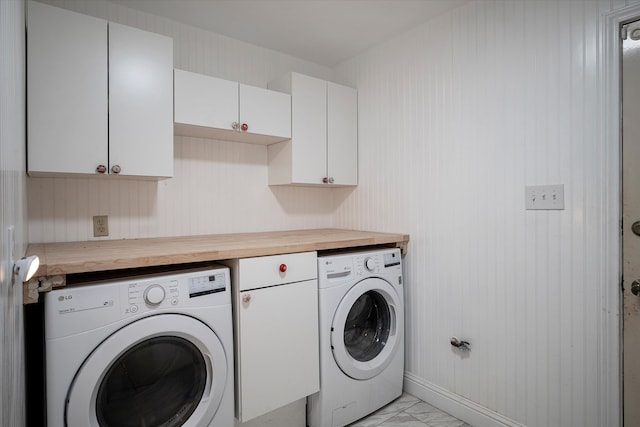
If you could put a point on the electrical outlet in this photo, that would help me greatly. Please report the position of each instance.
(100, 226)
(546, 197)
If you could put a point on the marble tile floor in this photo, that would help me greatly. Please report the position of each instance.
(409, 411)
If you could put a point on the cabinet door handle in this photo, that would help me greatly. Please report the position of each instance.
(327, 180)
(116, 169)
(246, 298)
(235, 125)
(101, 169)
(244, 127)
(330, 180)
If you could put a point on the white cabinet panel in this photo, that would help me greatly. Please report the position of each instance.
(342, 152)
(266, 112)
(278, 344)
(66, 91)
(309, 128)
(209, 107)
(205, 101)
(324, 134)
(140, 102)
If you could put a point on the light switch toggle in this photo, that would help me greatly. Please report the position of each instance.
(544, 197)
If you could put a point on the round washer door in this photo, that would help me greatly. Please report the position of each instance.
(164, 370)
(366, 329)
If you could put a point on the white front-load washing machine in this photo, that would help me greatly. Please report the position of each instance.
(361, 313)
(151, 350)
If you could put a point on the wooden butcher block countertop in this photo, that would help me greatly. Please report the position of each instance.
(60, 259)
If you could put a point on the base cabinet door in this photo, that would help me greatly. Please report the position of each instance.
(279, 356)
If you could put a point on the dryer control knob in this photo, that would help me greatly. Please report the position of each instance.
(154, 295)
(370, 264)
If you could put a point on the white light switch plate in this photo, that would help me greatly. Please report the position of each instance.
(548, 197)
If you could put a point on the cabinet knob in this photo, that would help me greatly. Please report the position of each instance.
(244, 127)
(101, 169)
(327, 180)
(246, 298)
(116, 169)
(283, 268)
(235, 125)
(330, 180)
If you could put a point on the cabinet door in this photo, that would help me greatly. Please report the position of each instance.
(278, 347)
(308, 129)
(66, 91)
(205, 101)
(266, 112)
(342, 134)
(140, 102)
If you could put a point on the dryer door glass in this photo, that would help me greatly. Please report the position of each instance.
(158, 382)
(367, 327)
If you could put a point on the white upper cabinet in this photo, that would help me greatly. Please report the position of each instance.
(209, 107)
(323, 149)
(99, 96)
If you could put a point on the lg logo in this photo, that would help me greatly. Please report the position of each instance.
(65, 297)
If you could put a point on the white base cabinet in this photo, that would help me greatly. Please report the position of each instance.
(209, 107)
(99, 96)
(323, 149)
(276, 331)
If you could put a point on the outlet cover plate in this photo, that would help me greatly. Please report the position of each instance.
(100, 226)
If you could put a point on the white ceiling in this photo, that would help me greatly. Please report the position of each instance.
(325, 32)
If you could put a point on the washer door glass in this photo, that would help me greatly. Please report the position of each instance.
(158, 382)
(367, 327)
(162, 370)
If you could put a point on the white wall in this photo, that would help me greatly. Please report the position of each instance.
(218, 187)
(456, 117)
(12, 209)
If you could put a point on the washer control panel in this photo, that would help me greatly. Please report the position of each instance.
(152, 294)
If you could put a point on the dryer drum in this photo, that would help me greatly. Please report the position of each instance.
(158, 382)
(367, 326)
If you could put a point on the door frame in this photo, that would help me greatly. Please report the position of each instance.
(610, 69)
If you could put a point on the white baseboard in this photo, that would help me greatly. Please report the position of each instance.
(458, 406)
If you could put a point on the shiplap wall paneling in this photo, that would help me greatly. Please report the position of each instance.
(455, 118)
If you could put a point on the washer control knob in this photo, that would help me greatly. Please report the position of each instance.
(370, 264)
(154, 295)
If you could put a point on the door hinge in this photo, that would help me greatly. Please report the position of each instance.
(623, 32)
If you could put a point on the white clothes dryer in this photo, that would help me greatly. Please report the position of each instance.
(361, 314)
(152, 350)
